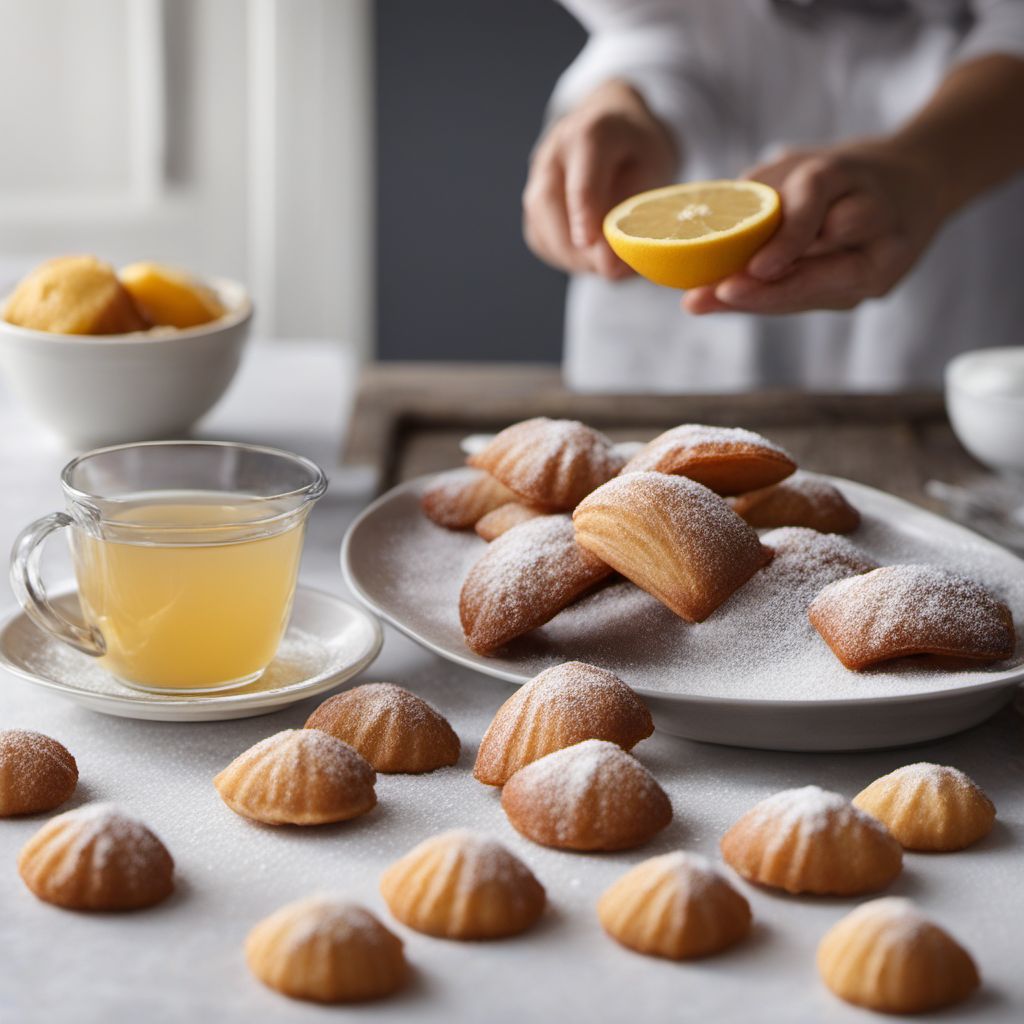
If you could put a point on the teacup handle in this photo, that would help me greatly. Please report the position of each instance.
(27, 583)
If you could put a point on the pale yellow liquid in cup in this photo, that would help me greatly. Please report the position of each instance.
(201, 607)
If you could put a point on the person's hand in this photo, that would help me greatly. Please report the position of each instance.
(855, 218)
(606, 150)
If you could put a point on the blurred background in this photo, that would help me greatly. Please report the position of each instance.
(318, 150)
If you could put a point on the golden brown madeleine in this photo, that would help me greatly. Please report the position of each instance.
(673, 538)
(592, 796)
(888, 957)
(74, 295)
(503, 518)
(395, 730)
(97, 857)
(458, 885)
(812, 841)
(550, 463)
(678, 905)
(929, 807)
(326, 950)
(804, 556)
(900, 610)
(561, 707)
(728, 460)
(36, 772)
(803, 499)
(457, 498)
(298, 777)
(524, 579)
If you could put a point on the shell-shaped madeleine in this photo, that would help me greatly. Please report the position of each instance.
(803, 499)
(393, 729)
(326, 950)
(728, 460)
(812, 841)
(561, 707)
(36, 772)
(678, 905)
(929, 807)
(524, 579)
(298, 777)
(97, 857)
(458, 885)
(901, 610)
(673, 538)
(458, 498)
(888, 957)
(591, 796)
(550, 463)
(502, 519)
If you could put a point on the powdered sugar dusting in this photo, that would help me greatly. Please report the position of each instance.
(331, 920)
(809, 809)
(32, 765)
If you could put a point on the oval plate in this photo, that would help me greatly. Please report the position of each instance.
(327, 642)
(409, 572)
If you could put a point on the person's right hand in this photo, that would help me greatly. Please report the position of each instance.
(609, 148)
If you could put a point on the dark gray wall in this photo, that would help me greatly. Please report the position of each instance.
(461, 89)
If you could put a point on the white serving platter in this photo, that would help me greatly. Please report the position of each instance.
(409, 572)
(328, 641)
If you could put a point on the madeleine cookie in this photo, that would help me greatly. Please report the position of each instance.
(457, 498)
(673, 538)
(328, 951)
(592, 796)
(803, 499)
(561, 707)
(888, 957)
(929, 807)
(503, 518)
(298, 777)
(678, 906)
(811, 841)
(727, 460)
(97, 857)
(550, 463)
(36, 773)
(524, 579)
(392, 728)
(902, 610)
(805, 556)
(458, 885)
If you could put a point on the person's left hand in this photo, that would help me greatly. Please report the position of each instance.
(855, 218)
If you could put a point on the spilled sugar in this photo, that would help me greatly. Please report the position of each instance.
(758, 645)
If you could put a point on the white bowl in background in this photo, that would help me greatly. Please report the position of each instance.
(985, 402)
(93, 390)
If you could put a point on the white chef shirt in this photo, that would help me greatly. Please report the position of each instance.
(737, 80)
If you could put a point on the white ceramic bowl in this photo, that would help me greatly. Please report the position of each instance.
(985, 402)
(93, 390)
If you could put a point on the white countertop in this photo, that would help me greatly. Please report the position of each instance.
(182, 961)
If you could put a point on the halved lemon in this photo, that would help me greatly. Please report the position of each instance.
(684, 236)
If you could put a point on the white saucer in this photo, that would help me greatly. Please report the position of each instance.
(328, 641)
(409, 572)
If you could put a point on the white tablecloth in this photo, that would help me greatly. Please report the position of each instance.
(182, 961)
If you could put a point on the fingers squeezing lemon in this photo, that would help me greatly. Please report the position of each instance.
(698, 233)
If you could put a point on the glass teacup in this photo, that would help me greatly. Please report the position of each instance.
(186, 555)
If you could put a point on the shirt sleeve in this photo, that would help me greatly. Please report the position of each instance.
(646, 43)
(998, 28)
